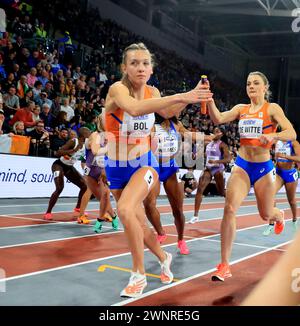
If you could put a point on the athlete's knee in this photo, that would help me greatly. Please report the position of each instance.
(293, 202)
(59, 189)
(177, 212)
(229, 209)
(124, 211)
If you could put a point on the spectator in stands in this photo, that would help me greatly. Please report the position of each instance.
(22, 87)
(58, 140)
(190, 182)
(49, 90)
(11, 102)
(31, 77)
(102, 77)
(60, 121)
(67, 108)
(18, 128)
(43, 99)
(25, 115)
(33, 59)
(91, 123)
(81, 83)
(55, 108)
(35, 116)
(44, 77)
(77, 73)
(69, 86)
(40, 31)
(73, 98)
(40, 142)
(37, 90)
(47, 117)
(62, 91)
(10, 81)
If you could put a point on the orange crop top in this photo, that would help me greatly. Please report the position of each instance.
(124, 128)
(253, 125)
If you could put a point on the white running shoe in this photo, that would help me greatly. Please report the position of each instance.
(269, 229)
(166, 275)
(135, 286)
(194, 219)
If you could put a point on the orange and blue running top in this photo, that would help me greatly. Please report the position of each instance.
(124, 128)
(254, 125)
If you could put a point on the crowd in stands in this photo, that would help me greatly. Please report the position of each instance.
(48, 91)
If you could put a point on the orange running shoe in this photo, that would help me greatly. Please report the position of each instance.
(222, 272)
(135, 286)
(183, 248)
(279, 226)
(107, 218)
(83, 220)
(48, 217)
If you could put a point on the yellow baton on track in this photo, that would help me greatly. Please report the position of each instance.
(102, 268)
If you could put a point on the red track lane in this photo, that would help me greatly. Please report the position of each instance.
(10, 221)
(41, 256)
(202, 291)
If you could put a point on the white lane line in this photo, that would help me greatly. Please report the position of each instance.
(163, 288)
(245, 244)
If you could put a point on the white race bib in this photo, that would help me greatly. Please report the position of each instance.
(213, 158)
(250, 128)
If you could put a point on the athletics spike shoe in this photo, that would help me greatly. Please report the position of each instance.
(115, 222)
(135, 286)
(83, 220)
(166, 275)
(76, 210)
(194, 219)
(107, 218)
(48, 217)
(269, 229)
(295, 226)
(222, 272)
(98, 226)
(279, 226)
(183, 248)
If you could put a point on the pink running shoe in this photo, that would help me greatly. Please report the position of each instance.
(48, 217)
(183, 248)
(77, 210)
(161, 238)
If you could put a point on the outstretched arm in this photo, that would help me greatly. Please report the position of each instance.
(118, 96)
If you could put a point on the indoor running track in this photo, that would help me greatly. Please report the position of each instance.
(59, 262)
